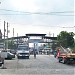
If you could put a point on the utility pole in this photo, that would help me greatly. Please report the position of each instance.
(49, 34)
(3, 53)
(13, 38)
(13, 32)
(4, 35)
(17, 40)
(7, 35)
(53, 34)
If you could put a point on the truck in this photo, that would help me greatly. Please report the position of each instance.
(66, 56)
(23, 51)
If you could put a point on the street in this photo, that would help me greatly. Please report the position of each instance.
(42, 65)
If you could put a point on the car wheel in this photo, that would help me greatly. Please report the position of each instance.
(28, 57)
(60, 59)
(0, 65)
(64, 61)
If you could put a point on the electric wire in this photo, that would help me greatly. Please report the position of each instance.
(61, 13)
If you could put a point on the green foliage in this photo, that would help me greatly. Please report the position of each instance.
(11, 45)
(66, 39)
(73, 49)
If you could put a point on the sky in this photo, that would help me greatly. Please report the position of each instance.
(37, 16)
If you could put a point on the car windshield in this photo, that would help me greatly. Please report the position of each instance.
(22, 48)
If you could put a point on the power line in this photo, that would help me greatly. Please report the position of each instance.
(14, 11)
(68, 27)
(63, 13)
(39, 14)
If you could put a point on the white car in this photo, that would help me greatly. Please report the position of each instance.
(23, 52)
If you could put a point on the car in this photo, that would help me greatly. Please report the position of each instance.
(13, 51)
(6, 54)
(23, 52)
(10, 55)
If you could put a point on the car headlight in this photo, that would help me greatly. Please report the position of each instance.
(19, 55)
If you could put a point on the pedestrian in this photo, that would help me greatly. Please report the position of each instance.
(58, 53)
(34, 53)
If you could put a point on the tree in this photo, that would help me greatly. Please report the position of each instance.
(66, 39)
(12, 45)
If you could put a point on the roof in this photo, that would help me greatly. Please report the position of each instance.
(35, 34)
(18, 37)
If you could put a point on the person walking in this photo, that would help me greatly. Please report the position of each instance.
(58, 53)
(34, 53)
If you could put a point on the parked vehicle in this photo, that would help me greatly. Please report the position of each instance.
(23, 51)
(66, 56)
(13, 51)
(10, 55)
(7, 55)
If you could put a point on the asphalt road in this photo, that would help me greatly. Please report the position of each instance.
(42, 65)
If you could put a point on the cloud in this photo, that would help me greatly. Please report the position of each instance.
(54, 5)
(36, 22)
(24, 5)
